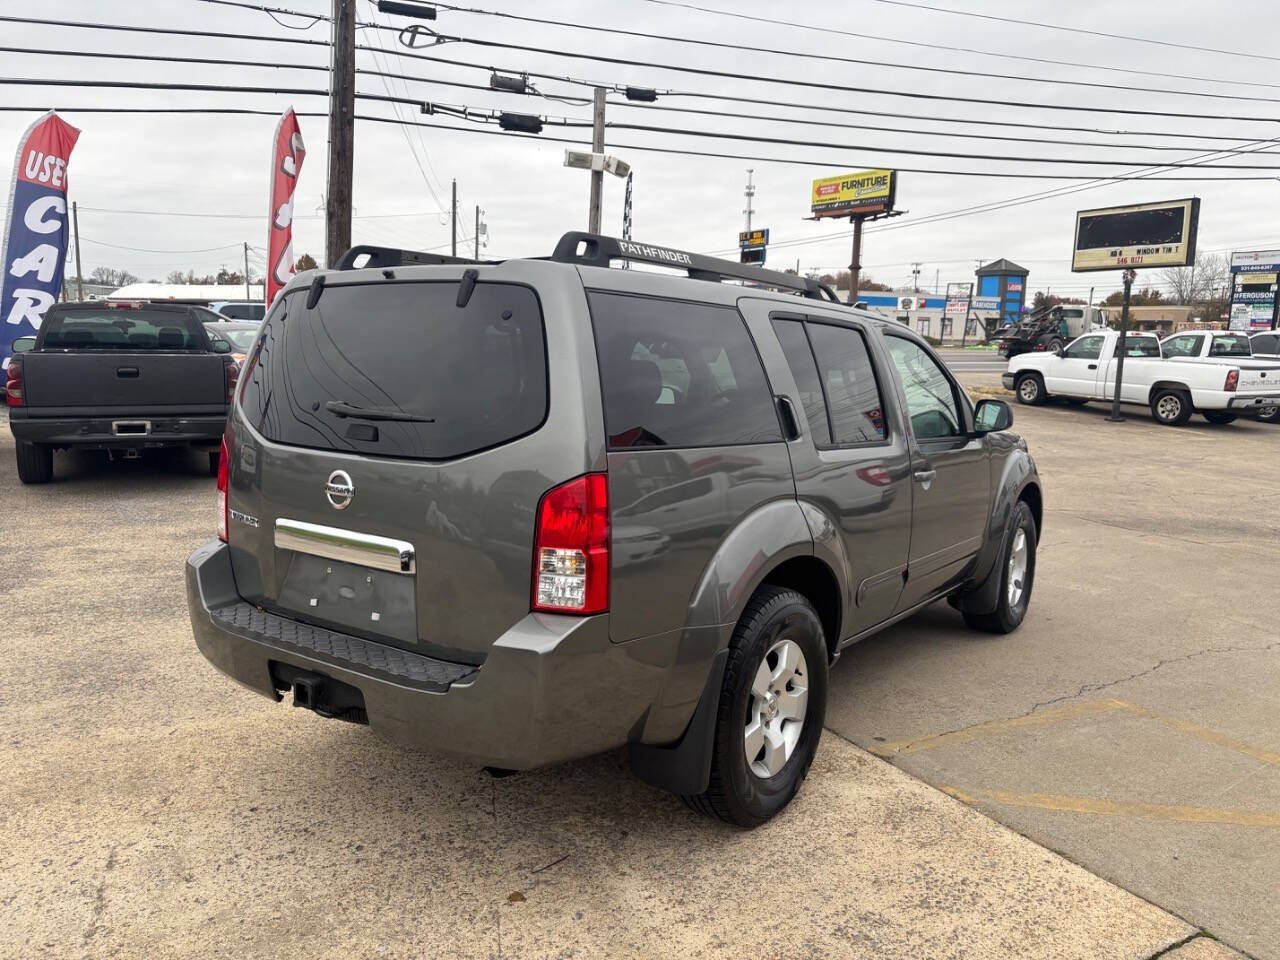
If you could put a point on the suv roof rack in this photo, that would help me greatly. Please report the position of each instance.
(594, 250)
(383, 257)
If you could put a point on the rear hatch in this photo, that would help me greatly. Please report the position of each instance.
(397, 419)
(111, 360)
(1258, 377)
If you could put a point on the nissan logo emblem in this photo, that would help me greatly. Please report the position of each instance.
(339, 489)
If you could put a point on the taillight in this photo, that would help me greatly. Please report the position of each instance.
(224, 476)
(13, 383)
(571, 547)
(232, 373)
(1233, 380)
(1040, 346)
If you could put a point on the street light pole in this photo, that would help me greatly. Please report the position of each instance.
(597, 176)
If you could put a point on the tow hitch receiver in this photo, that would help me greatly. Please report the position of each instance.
(306, 692)
(316, 691)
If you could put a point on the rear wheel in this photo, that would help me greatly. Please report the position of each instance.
(1171, 407)
(1018, 562)
(1269, 414)
(1217, 417)
(1029, 389)
(35, 462)
(772, 705)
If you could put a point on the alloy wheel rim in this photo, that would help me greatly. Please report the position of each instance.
(779, 704)
(1169, 408)
(1017, 578)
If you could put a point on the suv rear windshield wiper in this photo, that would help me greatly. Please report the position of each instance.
(340, 408)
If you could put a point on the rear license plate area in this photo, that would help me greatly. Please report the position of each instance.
(362, 599)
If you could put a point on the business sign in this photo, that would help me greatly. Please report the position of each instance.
(854, 194)
(1253, 289)
(752, 244)
(1136, 236)
(287, 153)
(35, 237)
(958, 297)
(986, 303)
(1013, 286)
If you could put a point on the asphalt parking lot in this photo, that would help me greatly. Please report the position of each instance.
(153, 809)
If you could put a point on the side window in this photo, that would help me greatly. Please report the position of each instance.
(795, 346)
(679, 374)
(1086, 348)
(1265, 344)
(1141, 347)
(849, 381)
(1180, 347)
(931, 401)
(1230, 345)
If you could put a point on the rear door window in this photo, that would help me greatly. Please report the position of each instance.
(795, 347)
(1086, 348)
(679, 374)
(1141, 347)
(857, 415)
(1266, 343)
(1188, 346)
(437, 380)
(1230, 345)
(94, 328)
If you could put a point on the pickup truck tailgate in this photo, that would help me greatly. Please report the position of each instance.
(110, 378)
(1259, 379)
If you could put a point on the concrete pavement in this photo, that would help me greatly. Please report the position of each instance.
(152, 808)
(1131, 722)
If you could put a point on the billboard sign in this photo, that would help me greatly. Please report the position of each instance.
(857, 193)
(958, 296)
(287, 153)
(1136, 236)
(35, 238)
(752, 244)
(1253, 289)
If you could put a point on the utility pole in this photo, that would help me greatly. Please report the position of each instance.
(75, 220)
(855, 264)
(626, 217)
(453, 218)
(936, 275)
(749, 193)
(477, 238)
(597, 176)
(915, 277)
(342, 104)
(247, 295)
(1129, 277)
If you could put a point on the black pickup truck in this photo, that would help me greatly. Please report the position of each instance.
(121, 377)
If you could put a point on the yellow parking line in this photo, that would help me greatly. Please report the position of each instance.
(1040, 718)
(1207, 735)
(1097, 806)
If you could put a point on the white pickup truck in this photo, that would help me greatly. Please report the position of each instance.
(1173, 389)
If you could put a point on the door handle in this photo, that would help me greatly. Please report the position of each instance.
(126, 372)
(924, 476)
(1093, 366)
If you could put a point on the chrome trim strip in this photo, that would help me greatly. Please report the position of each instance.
(347, 546)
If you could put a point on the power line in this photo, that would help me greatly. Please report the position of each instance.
(859, 62)
(828, 30)
(843, 88)
(1080, 30)
(116, 246)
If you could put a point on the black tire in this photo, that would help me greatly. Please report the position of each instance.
(1171, 408)
(1054, 345)
(214, 457)
(1074, 401)
(1008, 614)
(736, 794)
(35, 462)
(1029, 389)
(1218, 418)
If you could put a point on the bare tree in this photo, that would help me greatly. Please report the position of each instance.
(1204, 283)
(110, 276)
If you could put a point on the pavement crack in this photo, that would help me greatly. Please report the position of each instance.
(1095, 687)
(1175, 945)
(100, 896)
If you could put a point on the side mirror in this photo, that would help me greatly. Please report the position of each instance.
(23, 344)
(220, 346)
(990, 416)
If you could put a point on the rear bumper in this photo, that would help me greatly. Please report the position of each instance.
(1253, 402)
(551, 688)
(101, 433)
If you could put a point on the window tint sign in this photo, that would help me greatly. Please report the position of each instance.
(1136, 236)
(35, 239)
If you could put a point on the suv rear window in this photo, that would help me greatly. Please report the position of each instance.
(677, 374)
(460, 379)
(122, 329)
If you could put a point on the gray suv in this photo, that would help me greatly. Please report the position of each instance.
(533, 510)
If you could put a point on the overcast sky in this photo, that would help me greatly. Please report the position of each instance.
(215, 168)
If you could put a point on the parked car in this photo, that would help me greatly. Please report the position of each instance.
(1173, 389)
(1265, 344)
(121, 377)
(240, 309)
(239, 333)
(533, 510)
